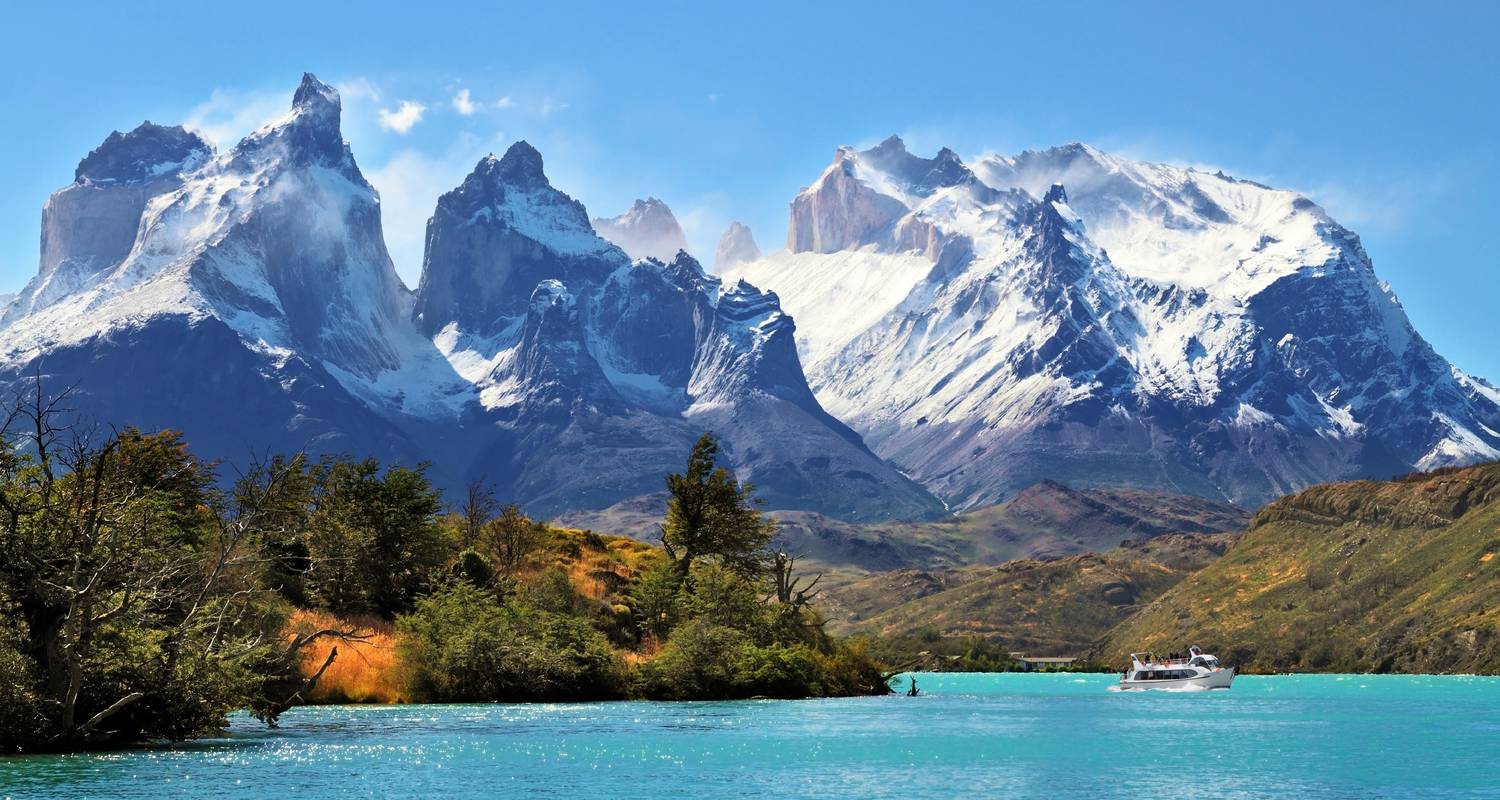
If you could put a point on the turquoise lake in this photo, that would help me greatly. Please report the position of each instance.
(1025, 736)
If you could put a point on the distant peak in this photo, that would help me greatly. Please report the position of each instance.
(892, 144)
(1056, 194)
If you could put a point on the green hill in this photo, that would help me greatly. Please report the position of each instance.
(1400, 576)
(1053, 606)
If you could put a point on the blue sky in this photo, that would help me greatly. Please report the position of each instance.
(1388, 115)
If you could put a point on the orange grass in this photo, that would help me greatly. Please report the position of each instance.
(364, 671)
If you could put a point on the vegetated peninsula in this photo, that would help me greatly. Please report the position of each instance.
(141, 601)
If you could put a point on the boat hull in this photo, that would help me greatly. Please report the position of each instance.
(1218, 679)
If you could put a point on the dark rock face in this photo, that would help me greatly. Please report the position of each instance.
(146, 153)
(230, 402)
(495, 237)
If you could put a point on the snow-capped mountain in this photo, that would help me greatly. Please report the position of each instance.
(736, 246)
(646, 230)
(1072, 315)
(247, 299)
(596, 371)
(245, 296)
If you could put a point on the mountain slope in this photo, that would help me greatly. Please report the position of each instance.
(1072, 315)
(1347, 577)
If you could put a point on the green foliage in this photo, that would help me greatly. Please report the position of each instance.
(375, 541)
(463, 645)
(474, 568)
(131, 587)
(710, 515)
(21, 715)
(653, 598)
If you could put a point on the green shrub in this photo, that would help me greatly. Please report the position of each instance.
(461, 645)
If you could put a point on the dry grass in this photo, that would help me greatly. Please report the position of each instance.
(364, 671)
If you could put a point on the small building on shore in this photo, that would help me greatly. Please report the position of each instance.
(1043, 663)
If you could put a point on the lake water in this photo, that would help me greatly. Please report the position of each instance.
(1055, 736)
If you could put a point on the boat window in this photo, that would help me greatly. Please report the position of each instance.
(1197, 661)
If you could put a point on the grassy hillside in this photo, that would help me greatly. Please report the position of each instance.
(1042, 607)
(1362, 576)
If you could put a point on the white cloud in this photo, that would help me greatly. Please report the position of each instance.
(358, 89)
(410, 183)
(505, 102)
(463, 104)
(404, 118)
(228, 114)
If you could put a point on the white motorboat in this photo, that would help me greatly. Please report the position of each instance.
(1196, 670)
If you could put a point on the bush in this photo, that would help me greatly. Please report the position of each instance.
(461, 645)
(21, 719)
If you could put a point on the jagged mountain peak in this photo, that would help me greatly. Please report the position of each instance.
(736, 246)
(521, 166)
(891, 166)
(315, 95)
(648, 229)
(1056, 194)
(147, 152)
(307, 135)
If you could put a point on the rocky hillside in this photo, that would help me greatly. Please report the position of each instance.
(1398, 575)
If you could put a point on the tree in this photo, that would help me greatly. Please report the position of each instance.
(129, 586)
(478, 510)
(511, 540)
(374, 538)
(711, 516)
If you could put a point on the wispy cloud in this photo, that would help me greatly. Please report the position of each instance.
(463, 103)
(229, 114)
(505, 102)
(410, 183)
(404, 118)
